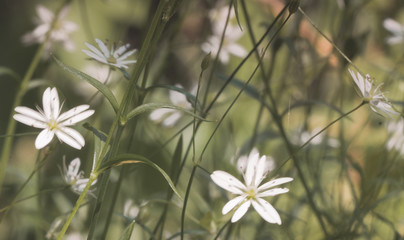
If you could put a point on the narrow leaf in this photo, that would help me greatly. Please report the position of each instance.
(128, 231)
(104, 90)
(249, 90)
(37, 83)
(102, 136)
(8, 72)
(148, 107)
(134, 158)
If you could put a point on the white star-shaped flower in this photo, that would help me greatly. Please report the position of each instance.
(372, 95)
(113, 57)
(251, 193)
(170, 117)
(396, 29)
(59, 34)
(74, 177)
(232, 34)
(54, 123)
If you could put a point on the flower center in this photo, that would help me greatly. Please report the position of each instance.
(251, 193)
(111, 60)
(52, 124)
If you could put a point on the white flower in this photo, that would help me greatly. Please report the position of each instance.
(304, 136)
(396, 139)
(251, 193)
(130, 209)
(396, 29)
(169, 117)
(371, 94)
(111, 57)
(232, 34)
(74, 177)
(54, 123)
(59, 34)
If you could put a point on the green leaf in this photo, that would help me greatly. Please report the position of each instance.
(128, 231)
(153, 106)
(249, 90)
(237, 16)
(8, 72)
(37, 83)
(97, 84)
(124, 73)
(100, 135)
(129, 158)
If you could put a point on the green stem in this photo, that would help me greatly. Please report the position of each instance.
(92, 178)
(5, 152)
(221, 230)
(191, 178)
(157, 26)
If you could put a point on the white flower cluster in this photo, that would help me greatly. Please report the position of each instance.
(60, 34)
(252, 192)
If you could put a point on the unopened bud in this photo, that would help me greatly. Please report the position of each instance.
(294, 6)
(205, 62)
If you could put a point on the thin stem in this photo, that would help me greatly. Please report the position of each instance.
(321, 131)
(92, 178)
(221, 230)
(37, 167)
(159, 21)
(328, 39)
(191, 178)
(5, 152)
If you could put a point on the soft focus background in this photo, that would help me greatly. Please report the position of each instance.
(356, 181)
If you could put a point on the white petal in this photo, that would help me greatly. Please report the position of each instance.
(30, 121)
(158, 114)
(75, 115)
(74, 168)
(103, 48)
(393, 26)
(394, 40)
(94, 49)
(125, 62)
(127, 54)
(383, 108)
(260, 172)
(44, 14)
(357, 81)
(239, 213)
(30, 113)
(121, 50)
(274, 183)
(228, 182)
(172, 119)
(51, 105)
(273, 192)
(236, 50)
(44, 138)
(251, 168)
(72, 112)
(232, 203)
(95, 56)
(70, 137)
(266, 211)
